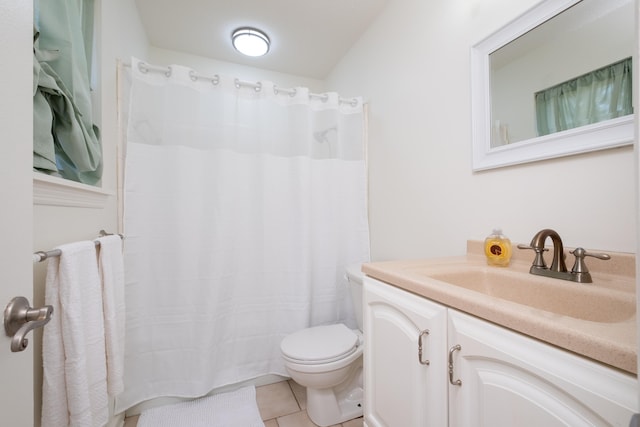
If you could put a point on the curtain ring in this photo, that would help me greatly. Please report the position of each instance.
(215, 80)
(291, 92)
(142, 67)
(168, 72)
(193, 75)
(354, 102)
(256, 86)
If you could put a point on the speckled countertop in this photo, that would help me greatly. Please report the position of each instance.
(609, 336)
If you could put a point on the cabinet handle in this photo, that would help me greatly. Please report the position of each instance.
(422, 334)
(451, 350)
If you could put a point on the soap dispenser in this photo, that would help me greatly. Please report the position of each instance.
(497, 249)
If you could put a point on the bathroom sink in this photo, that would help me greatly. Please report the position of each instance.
(596, 320)
(581, 301)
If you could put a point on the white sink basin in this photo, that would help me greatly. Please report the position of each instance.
(581, 301)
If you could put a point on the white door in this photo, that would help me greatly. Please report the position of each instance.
(16, 212)
(401, 389)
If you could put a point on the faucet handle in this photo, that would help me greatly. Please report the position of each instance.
(539, 260)
(579, 266)
(521, 246)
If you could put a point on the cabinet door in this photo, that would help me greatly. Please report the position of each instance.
(400, 391)
(508, 379)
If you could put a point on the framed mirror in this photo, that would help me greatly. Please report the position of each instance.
(555, 81)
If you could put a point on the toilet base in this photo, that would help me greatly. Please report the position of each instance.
(330, 406)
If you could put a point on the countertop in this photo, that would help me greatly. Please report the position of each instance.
(611, 343)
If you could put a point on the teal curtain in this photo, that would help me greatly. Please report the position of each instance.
(66, 140)
(600, 95)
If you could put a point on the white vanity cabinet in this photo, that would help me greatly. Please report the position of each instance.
(506, 379)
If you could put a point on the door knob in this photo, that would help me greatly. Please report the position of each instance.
(20, 318)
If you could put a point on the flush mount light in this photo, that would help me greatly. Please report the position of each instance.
(250, 41)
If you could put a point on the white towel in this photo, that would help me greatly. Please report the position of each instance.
(74, 391)
(111, 267)
(234, 409)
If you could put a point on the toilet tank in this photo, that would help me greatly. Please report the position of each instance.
(354, 277)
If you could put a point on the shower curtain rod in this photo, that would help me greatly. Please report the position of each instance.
(43, 255)
(257, 86)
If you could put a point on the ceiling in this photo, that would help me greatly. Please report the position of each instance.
(308, 37)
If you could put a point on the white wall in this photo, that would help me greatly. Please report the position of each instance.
(413, 66)
(121, 36)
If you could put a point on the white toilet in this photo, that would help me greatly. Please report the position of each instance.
(327, 360)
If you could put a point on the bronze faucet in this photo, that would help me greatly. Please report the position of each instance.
(579, 273)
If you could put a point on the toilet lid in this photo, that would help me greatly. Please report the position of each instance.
(320, 343)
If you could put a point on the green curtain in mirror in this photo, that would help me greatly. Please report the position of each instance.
(66, 140)
(600, 95)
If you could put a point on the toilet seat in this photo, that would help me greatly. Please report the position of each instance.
(320, 344)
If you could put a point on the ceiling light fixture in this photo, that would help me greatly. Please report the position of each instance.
(250, 41)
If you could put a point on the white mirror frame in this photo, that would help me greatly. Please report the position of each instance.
(598, 136)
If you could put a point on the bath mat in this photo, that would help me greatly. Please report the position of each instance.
(234, 409)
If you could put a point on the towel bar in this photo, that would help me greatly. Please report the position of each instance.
(43, 255)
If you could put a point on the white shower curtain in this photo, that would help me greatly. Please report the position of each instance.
(243, 206)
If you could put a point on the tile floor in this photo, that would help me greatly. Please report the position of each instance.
(281, 404)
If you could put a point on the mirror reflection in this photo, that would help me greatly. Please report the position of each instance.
(571, 71)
